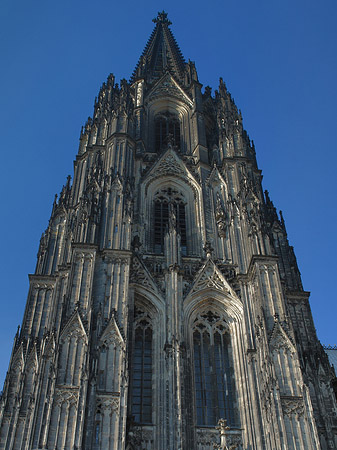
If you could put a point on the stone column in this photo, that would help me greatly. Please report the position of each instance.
(174, 429)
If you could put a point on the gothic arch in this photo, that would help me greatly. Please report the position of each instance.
(167, 130)
(209, 283)
(190, 191)
(160, 101)
(146, 389)
(111, 348)
(150, 301)
(216, 301)
(13, 380)
(72, 354)
(227, 309)
(210, 333)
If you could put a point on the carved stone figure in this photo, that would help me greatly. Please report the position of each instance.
(220, 217)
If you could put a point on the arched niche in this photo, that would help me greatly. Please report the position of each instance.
(147, 340)
(172, 108)
(190, 193)
(213, 329)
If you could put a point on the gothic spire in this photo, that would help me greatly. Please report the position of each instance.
(161, 53)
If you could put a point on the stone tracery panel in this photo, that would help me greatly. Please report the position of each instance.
(213, 374)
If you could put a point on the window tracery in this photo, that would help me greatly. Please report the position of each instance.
(165, 200)
(142, 369)
(167, 130)
(214, 383)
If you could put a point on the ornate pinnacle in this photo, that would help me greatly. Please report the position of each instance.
(162, 18)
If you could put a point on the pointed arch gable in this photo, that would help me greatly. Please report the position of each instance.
(213, 299)
(279, 339)
(180, 108)
(216, 177)
(167, 86)
(74, 326)
(170, 164)
(73, 348)
(171, 172)
(49, 346)
(13, 379)
(210, 283)
(141, 277)
(111, 350)
(112, 333)
(18, 358)
(153, 302)
(32, 359)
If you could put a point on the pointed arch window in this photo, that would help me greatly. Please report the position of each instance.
(163, 199)
(213, 374)
(142, 370)
(167, 130)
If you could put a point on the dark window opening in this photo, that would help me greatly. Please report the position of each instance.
(161, 219)
(161, 216)
(142, 374)
(213, 378)
(167, 130)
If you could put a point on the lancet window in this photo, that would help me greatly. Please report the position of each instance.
(169, 205)
(142, 369)
(213, 372)
(167, 129)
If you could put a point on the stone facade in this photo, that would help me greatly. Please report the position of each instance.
(166, 310)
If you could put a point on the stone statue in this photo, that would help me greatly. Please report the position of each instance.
(172, 217)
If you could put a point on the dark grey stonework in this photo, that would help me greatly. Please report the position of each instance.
(166, 310)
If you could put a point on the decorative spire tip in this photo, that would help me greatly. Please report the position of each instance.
(162, 18)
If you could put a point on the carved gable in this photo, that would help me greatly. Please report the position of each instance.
(18, 359)
(32, 358)
(74, 327)
(112, 334)
(140, 275)
(168, 87)
(210, 277)
(279, 339)
(216, 177)
(170, 164)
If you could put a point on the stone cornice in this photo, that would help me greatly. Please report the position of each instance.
(297, 295)
(83, 246)
(115, 252)
(42, 278)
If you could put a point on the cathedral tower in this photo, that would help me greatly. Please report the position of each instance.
(166, 310)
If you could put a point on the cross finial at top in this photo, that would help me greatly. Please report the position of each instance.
(162, 18)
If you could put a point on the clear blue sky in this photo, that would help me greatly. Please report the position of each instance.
(279, 61)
